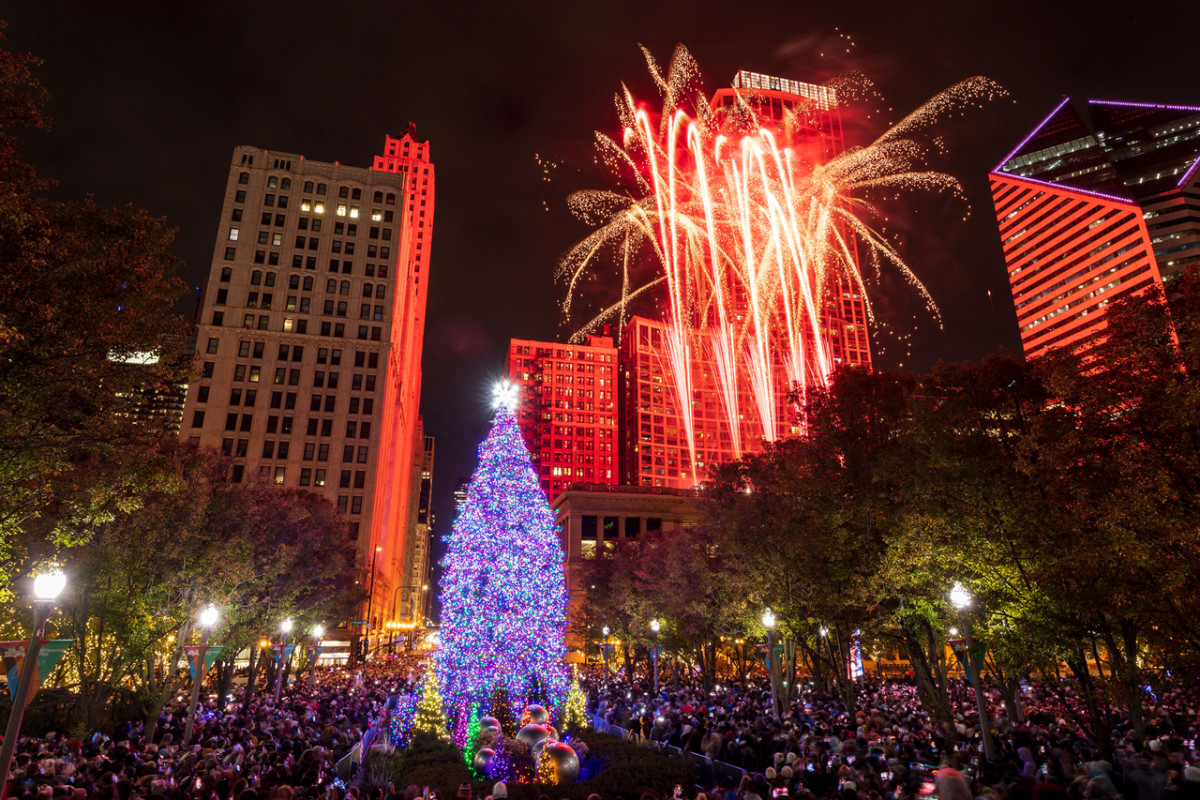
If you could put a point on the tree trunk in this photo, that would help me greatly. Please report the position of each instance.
(1099, 719)
(248, 697)
(933, 695)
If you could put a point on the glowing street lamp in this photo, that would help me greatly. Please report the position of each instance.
(654, 628)
(286, 627)
(768, 621)
(961, 599)
(208, 618)
(47, 586)
(604, 648)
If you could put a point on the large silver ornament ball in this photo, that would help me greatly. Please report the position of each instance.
(483, 758)
(536, 752)
(537, 714)
(488, 722)
(566, 763)
(532, 734)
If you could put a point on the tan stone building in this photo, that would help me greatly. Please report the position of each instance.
(590, 515)
(310, 335)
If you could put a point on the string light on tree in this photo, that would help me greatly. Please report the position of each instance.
(574, 717)
(503, 588)
(430, 717)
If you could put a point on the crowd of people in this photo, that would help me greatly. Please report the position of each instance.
(240, 751)
(884, 748)
(887, 747)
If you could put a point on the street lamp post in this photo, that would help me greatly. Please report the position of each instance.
(654, 627)
(208, 618)
(768, 621)
(604, 648)
(371, 601)
(317, 633)
(286, 627)
(961, 599)
(47, 586)
(424, 587)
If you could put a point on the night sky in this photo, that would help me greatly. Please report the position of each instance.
(149, 99)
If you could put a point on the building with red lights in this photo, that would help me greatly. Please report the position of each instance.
(309, 339)
(1100, 200)
(654, 447)
(567, 409)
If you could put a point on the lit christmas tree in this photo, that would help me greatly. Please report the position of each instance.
(503, 591)
(574, 717)
(430, 716)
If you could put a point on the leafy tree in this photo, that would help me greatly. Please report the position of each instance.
(84, 290)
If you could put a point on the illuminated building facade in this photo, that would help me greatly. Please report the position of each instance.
(654, 447)
(410, 600)
(567, 409)
(591, 517)
(819, 138)
(1098, 201)
(309, 338)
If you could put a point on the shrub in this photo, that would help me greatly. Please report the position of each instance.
(611, 766)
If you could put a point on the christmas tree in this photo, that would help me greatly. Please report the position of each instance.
(503, 589)
(574, 718)
(430, 717)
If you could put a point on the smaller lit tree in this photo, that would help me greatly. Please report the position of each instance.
(574, 718)
(431, 717)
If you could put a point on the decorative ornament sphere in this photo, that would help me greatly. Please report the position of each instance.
(488, 722)
(532, 734)
(537, 714)
(536, 752)
(566, 763)
(483, 759)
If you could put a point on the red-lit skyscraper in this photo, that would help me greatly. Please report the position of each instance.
(567, 409)
(654, 448)
(1098, 201)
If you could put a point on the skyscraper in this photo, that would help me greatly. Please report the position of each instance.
(1098, 201)
(310, 337)
(567, 409)
(654, 449)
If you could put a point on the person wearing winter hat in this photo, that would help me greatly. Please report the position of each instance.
(500, 791)
(770, 773)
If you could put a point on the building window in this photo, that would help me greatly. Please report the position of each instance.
(198, 419)
(319, 477)
(233, 234)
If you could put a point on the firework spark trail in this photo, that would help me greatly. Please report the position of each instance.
(751, 237)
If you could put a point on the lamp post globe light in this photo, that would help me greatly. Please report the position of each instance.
(768, 621)
(47, 586)
(208, 618)
(654, 628)
(961, 598)
(286, 627)
(604, 648)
